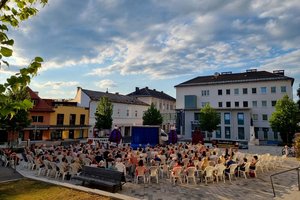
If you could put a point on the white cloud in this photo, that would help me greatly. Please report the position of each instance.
(106, 84)
(55, 84)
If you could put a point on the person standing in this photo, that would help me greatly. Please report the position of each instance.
(173, 136)
(115, 136)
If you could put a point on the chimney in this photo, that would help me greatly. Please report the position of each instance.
(280, 72)
(117, 93)
(147, 88)
(137, 89)
(37, 93)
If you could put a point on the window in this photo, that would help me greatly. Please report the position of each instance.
(245, 91)
(237, 104)
(273, 89)
(240, 118)
(254, 104)
(256, 129)
(226, 118)
(227, 132)
(80, 134)
(220, 104)
(264, 103)
(236, 91)
(273, 103)
(190, 101)
(37, 118)
(196, 116)
(72, 119)
(245, 104)
(227, 91)
(127, 113)
(160, 106)
(218, 132)
(265, 117)
(34, 102)
(265, 130)
(241, 133)
(71, 134)
(56, 135)
(205, 92)
(253, 90)
(255, 117)
(263, 90)
(219, 92)
(135, 113)
(167, 106)
(82, 119)
(228, 104)
(36, 135)
(283, 89)
(60, 119)
(171, 107)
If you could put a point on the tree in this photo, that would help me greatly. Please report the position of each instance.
(103, 114)
(152, 116)
(12, 12)
(209, 119)
(284, 118)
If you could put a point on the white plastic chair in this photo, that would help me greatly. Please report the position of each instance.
(140, 174)
(209, 173)
(153, 172)
(190, 174)
(176, 175)
(231, 172)
(220, 172)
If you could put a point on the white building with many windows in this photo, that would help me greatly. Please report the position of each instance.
(162, 102)
(127, 111)
(240, 99)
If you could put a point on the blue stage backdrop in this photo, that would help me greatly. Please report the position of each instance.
(144, 135)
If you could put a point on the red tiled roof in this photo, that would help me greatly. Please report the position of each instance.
(41, 105)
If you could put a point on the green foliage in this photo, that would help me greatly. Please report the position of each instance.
(152, 116)
(284, 118)
(209, 118)
(103, 114)
(12, 12)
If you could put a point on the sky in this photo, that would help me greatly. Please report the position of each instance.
(117, 45)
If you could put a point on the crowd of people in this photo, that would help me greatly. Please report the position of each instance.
(129, 161)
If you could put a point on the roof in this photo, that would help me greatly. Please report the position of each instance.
(40, 104)
(249, 76)
(146, 92)
(115, 98)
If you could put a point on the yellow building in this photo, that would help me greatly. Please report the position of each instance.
(68, 121)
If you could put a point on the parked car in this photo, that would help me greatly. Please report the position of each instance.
(243, 144)
(163, 137)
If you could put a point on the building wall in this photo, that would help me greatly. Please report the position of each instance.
(120, 116)
(213, 98)
(67, 111)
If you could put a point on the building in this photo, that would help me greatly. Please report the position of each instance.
(240, 98)
(68, 121)
(55, 120)
(40, 119)
(127, 111)
(163, 102)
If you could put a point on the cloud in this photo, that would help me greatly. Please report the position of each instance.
(54, 85)
(106, 84)
(160, 39)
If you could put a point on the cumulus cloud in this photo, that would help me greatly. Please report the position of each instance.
(106, 84)
(55, 84)
(160, 39)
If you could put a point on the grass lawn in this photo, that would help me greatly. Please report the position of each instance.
(27, 189)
